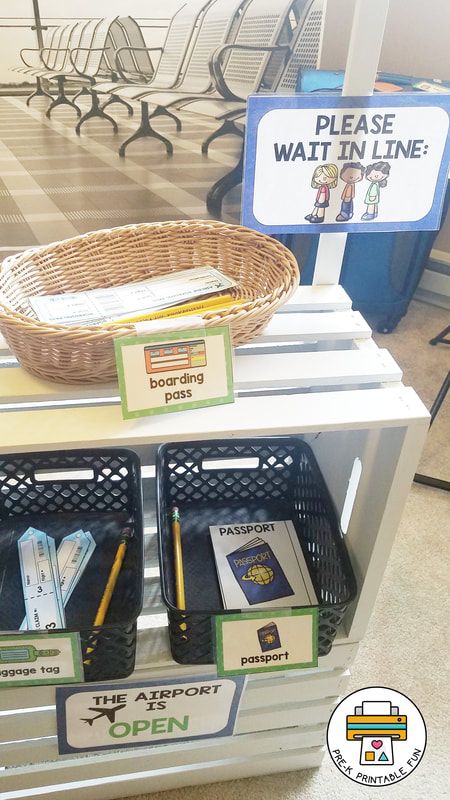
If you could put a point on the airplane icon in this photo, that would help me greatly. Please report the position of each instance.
(110, 713)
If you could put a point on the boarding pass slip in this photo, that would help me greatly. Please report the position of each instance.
(107, 305)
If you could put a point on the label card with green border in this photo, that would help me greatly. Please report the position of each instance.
(174, 371)
(266, 642)
(27, 660)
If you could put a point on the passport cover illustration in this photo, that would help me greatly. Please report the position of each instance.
(258, 572)
(261, 564)
(269, 637)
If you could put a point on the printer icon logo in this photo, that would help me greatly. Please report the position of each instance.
(376, 736)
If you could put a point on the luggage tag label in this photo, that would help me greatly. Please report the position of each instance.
(33, 659)
(40, 581)
(73, 556)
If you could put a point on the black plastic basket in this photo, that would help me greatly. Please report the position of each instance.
(282, 482)
(101, 493)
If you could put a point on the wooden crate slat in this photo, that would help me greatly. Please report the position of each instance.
(41, 721)
(294, 684)
(316, 325)
(40, 750)
(317, 298)
(305, 298)
(250, 372)
(43, 785)
(63, 428)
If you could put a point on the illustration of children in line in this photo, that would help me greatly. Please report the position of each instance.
(324, 178)
(352, 172)
(377, 174)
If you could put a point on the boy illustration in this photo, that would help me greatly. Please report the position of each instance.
(351, 173)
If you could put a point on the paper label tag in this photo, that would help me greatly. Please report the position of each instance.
(40, 581)
(73, 555)
(266, 641)
(28, 660)
(174, 371)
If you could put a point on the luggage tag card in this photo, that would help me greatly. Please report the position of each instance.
(40, 581)
(266, 641)
(175, 370)
(72, 557)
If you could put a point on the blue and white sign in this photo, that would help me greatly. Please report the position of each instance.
(114, 715)
(318, 163)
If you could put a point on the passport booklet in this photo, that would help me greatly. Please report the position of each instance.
(261, 564)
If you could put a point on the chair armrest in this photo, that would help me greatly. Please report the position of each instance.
(131, 49)
(72, 56)
(49, 50)
(216, 59)
(31, 50)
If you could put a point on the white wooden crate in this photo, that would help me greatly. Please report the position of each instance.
(314, 373)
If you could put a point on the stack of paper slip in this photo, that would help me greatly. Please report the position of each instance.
(98, 306)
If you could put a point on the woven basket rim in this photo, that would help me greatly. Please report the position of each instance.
(104, 331)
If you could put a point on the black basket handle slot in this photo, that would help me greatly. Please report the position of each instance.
(238, 462)
(64, 475)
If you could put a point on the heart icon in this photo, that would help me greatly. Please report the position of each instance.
(377, 743)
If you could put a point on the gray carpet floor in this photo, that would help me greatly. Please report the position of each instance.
(407, 644)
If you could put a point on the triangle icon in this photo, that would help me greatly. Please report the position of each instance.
(383, 757)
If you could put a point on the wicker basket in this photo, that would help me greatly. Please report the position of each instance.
(266, 273)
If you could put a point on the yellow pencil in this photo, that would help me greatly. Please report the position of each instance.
(178, 561)
(102, 610)
(200, 306)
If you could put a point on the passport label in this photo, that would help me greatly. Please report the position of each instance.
(256, 642)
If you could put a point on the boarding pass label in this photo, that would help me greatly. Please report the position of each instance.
(40, 581)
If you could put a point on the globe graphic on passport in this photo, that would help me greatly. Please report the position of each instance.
(259, 574)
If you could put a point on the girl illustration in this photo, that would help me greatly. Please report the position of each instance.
(377, 174)
(324, 178)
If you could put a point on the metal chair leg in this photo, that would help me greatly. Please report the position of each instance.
(116, 99)
(95, 111)
(216, 194)
(227, 127)
(61, 99)
(160, 111)
(144, 131)
(38, 92)
(441, 338)
(429, 480)
(82, 91)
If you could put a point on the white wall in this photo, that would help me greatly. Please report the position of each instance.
(416, 41)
